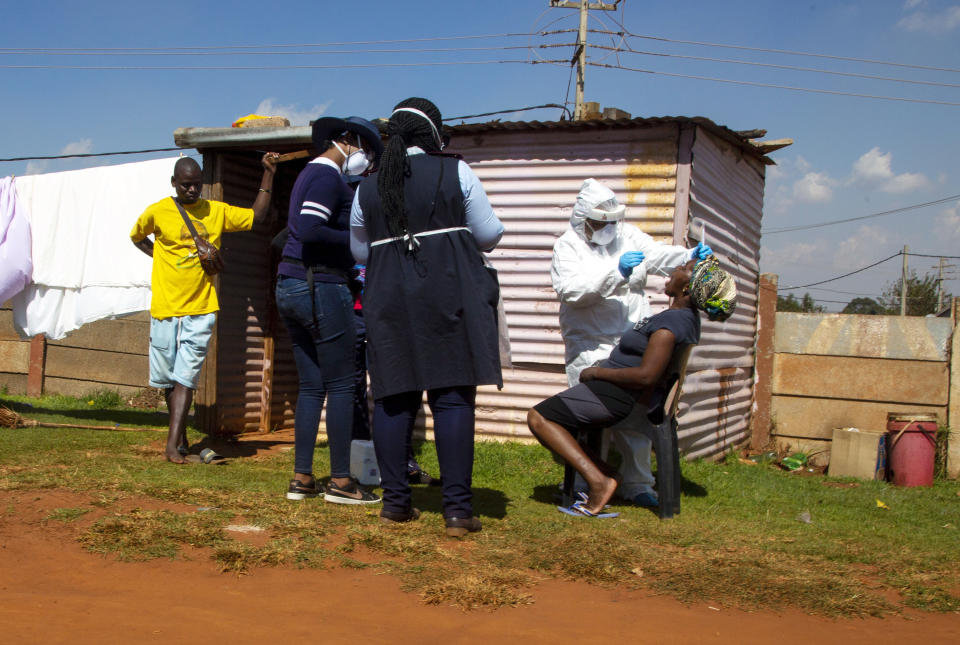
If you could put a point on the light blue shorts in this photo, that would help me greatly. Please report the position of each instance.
(178, 346)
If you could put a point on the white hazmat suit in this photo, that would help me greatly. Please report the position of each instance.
(598, 304)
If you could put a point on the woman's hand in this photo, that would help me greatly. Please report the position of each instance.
(589, 374)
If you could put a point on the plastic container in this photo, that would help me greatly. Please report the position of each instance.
(363, 462)
(911, 448)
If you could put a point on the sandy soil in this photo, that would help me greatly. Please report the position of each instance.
(53, 591)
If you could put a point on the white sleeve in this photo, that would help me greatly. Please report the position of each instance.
(481, 220)
(575, 286)
(359, 244)
(659, 258)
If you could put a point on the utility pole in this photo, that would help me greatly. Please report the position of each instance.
(939, 286)
(580, 53)
(903, 284)
(942, 266)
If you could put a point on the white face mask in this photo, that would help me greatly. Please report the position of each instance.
(605, 235)
(355, 163)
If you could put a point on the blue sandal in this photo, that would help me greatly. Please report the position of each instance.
(579, 509)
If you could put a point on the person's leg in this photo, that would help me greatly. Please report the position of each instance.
(556, 438)
(453, 426)
(335, 346)
(393, 419)
(361, 410)
(293, 305)
(634, 448)
(193, 339)
(181, 397)
(163, 356)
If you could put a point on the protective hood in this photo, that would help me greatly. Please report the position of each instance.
(596, 201)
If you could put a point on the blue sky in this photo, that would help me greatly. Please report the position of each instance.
(852, 156)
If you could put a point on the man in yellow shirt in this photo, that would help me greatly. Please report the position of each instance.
(184, 300)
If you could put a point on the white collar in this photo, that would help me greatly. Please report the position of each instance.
(327, 161)
(415, 150)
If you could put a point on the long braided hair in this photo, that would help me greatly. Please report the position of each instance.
(405, 129)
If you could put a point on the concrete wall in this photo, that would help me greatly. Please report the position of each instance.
(834, 370)
(107, 354)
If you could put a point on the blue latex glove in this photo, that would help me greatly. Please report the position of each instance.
(629, 260)
(701, 252)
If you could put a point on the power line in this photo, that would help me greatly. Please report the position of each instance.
(795, 68)
(805, 227)
(91, 154)
(782, 87)
(286, 45)
(870, 266)
(523, 109)
(276, 67)
(419, 50)
(791, 53)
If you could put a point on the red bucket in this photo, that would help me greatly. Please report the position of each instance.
(911, 448)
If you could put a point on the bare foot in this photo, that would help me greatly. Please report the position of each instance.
(174, 456)
(599, 496)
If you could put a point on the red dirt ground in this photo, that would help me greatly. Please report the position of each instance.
(52, 591)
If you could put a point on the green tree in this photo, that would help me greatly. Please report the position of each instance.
(867, 306)
(921, 295)
(805, 305)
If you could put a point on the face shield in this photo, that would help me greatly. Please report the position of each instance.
(597, 214)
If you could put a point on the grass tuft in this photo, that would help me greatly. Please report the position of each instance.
(66, 514)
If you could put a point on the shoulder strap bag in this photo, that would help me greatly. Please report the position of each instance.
(210, 257)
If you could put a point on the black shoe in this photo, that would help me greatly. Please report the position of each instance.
(353, 493)
(458, 527)
(422, 477)
(392, 518)
(298, 490)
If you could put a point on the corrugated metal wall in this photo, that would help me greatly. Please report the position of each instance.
(532, 179)
(726, 191)
(248, 319)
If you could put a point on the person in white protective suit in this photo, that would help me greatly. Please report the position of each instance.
(599, 270)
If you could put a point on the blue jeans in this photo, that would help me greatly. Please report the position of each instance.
(453, 423)
(323, 349)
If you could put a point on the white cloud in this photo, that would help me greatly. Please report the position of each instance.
(934, 23)
(292, 112)
(948, 222)
(36, 167)
(814, 187)
(874, 168)
(81, 147)
(850, 253)
(913, 4)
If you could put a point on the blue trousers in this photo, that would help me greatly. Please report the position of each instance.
(453, 418)
(323, 348)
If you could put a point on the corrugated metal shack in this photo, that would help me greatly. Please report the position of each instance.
(667, 170)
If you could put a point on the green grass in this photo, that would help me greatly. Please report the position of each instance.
(738, 541)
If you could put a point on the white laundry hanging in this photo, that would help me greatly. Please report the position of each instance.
(84, 266)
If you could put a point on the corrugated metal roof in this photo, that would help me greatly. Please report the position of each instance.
(298, 136)
(723, 132)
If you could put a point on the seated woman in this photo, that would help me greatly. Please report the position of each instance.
(633, 373)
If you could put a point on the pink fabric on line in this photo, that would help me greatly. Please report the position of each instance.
(16, 265)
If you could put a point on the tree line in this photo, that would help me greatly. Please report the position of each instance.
(922, 299)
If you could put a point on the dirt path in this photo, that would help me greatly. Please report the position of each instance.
(53, 591)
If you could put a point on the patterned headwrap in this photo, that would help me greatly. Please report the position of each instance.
(712, 289)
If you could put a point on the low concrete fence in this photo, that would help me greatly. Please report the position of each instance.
(818, 372)
(107, 354)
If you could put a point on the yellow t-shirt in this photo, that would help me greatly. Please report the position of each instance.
(180, 286)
